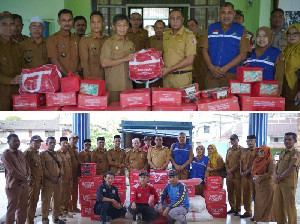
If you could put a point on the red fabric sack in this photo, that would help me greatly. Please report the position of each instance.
(70, 83)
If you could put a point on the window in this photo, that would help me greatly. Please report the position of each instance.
(49, 134)
(206, 129)
(276, 139)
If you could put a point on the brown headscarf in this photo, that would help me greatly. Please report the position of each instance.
(261, 50)
(260, 163)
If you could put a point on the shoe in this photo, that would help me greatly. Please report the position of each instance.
(231, 211)
(237, 214)
(59, 221)
(246, 215)
(68, 215)
(252, 219)
(76, 210)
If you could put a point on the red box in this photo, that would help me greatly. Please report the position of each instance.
(166, 96)
(213, 180)
(93, 102)
(86, 211)
(183, 107)
(135, 98)
(120, 180)
(241, 88)
(88, 173)
(215, 197)
(122, 194)
(265, 88)
(28, 101)
(115, 106)
(89, 166)
(70, 83)
(190, 93)
(89, 183)
(191, 190)
(217, 210)
(61, 99)
(158, 177)
(229, 104)
(220, 93)
(262, 103)
(75, 108)
(213, 187)
(93, 216)
(159, 188)
(85, 198)
(249, 74)
(93, 195)
(45, 108)
(191, 182)
(92, 86)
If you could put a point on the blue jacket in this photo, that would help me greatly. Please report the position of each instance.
(181, 154)
(265, 61)
(178, 195)
(198, 167)
(104, 191)
(224, 47)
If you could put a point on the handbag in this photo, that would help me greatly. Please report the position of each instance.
(223, 172)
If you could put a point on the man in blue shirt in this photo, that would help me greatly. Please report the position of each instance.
(178, 194)
(110, 203)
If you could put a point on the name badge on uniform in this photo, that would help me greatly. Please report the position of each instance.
(28, 60)
(63, 54)
(139, 195)
(215, 31)
(92, 47)
(113, 191)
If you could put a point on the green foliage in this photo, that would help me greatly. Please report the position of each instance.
(274, 150)
(13, 118)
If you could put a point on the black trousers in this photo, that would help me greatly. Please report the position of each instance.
(106, 209)
(148, 213)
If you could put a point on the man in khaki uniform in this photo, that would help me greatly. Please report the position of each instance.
(158, 155)
(62, 47)
(247, 157)
(34, 160)
(11, 61)
(233, 178)
(17, 175)
(90, 47)
(75, 159)
(66, 178)
(99, 156)
(80, 25)
(116, 158)
(18, 36)
(224, 46)
(52, 171)
(179, 52)
(199, 66)
(286, 178)
(85, 154)
(136, 34)
(115, 55)
(34, 49)
(136, 158)
(277, 21)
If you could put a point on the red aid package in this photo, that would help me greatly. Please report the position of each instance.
(271, 103)
(183, 107)
(213, 179)
(84, 198)
(115, 106)
(265, 88)
(227, 104)
(191, 190)
(61, 99)
(249, 74)
(191, 182)
(88, 169)
(92, 102)
(28, 101)
(70, 83)
(43, 79)
(158, 177)
(220, 93)
(166, 96)
(135, 98)
(190, 93)
(86, 211)
(216, 197)
(241, 88)
(147, 64)
(92, 86)
(159, 188)
(93, 216)
(122, 194)
(217, 210)
(89, 183)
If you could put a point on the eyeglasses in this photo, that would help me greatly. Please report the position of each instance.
(209, 148)
(293, 34)
(36, 27)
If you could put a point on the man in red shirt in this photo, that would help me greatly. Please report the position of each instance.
(140, 198)
(147, 142)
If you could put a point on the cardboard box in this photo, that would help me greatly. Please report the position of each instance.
(89, 183)
(241, 88)
(158, 177)
(215, 197)
(86, 211)
(183, 107)
(191, 190)
(120, 180)
(115, 106)
(159, 188)
(190, 93)
(84, 198)
(213, 180)
(92, 86)
(93, 216)
(262, 103)
(88, 169)
(122, 194)
(93, 102)
(166, 96)
(61, 99)
(228, 104)
(28, 101)
(70, 83)
(265, 88)
(191, 182)
(135, 98)
(217, 210)
(249, 74)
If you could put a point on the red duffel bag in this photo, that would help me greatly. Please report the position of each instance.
(43, 79)
(147, 64)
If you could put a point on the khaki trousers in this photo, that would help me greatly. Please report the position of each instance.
(234, 193)
(177, 80)
(212, 82)
(65, 197)
(74, 195)
(34, 193)
(247, 189)
(48, 192)
(114, 96)
(183, 174)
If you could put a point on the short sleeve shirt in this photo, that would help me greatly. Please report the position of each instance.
(158, 156)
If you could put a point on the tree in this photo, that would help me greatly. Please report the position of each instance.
(13, 118)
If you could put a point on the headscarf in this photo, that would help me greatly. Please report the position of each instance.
(292, 59)
(214, 156)
(260, 163)
(261, 50)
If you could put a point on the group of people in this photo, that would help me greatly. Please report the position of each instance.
(209, 60)
(250, 173)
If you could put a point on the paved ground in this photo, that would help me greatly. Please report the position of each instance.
(79, 220)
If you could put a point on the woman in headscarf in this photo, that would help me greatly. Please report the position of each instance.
(199, 165)
(262, 172)
(291, 87)
(267, 57)
(216, 163)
